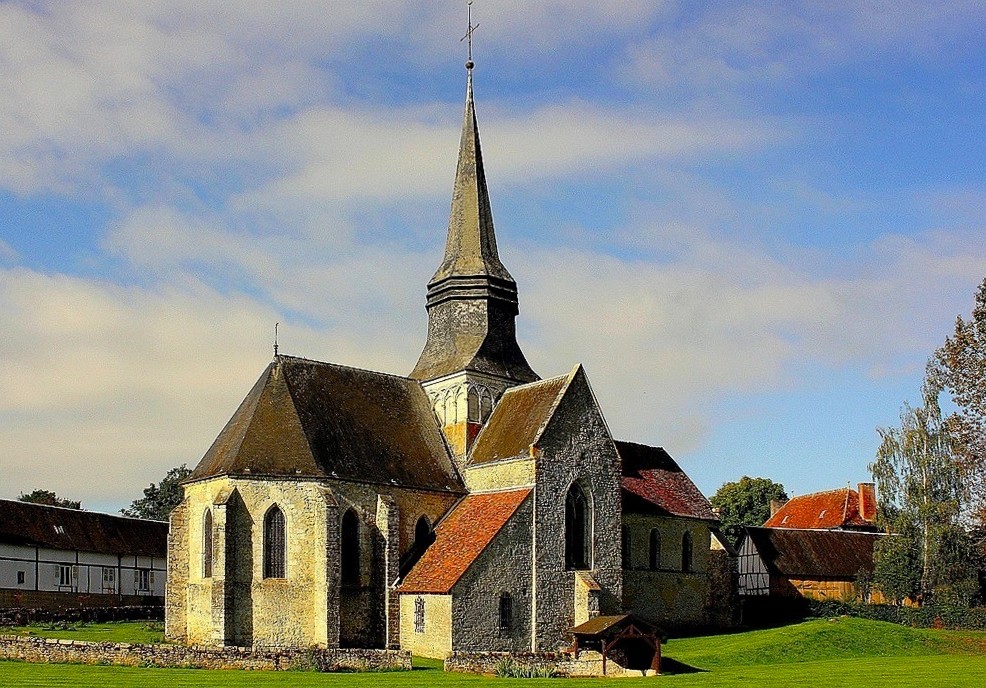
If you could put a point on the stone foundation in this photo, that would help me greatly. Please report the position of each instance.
(48, 650)
(563, 663)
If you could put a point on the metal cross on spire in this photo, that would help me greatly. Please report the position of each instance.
(468, 36)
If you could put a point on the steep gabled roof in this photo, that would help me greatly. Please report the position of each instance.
(518, 420)
(39, 525)
(653, 481)
(460, 538)
(814, 553)
(822, 510)
(309, 419)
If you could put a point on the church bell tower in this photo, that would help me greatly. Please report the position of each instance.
(471, 355)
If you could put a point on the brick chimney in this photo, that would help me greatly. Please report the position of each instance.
(867, 502)
(776, 504)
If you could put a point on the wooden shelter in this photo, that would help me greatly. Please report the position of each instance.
(638, 640)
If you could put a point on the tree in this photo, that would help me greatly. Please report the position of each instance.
(959, 366)
(745, 503)
(922, 492)
(160, 499)
(50, 498)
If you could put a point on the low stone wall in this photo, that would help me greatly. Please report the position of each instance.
(48, 650)
(562, 663)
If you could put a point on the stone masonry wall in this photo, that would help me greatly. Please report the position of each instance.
(503, 567)
(575, 446)
(48, 650)
(561, 663)
(238, 606)
(669, 597)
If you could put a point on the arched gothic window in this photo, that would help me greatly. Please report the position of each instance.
(578, 525)
(207, 544)
(349, 549)
(473, 400)
(422, 533)
(274, 543)
(506, 613)
(627, 549)
(655, 549)
(686, 552)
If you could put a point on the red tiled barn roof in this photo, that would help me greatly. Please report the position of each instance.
(821, 510)
(460, 538)
(653, 480)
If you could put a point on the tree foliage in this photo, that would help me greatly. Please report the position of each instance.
(745, 503)
(50, 498)
(959, 366)
(160, 499)
(922, 491)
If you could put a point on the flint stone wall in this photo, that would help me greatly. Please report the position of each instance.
(49, 650)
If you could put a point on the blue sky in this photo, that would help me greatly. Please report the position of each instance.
(751, 221)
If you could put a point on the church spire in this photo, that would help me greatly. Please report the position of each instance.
(472, 299)
(471, 245)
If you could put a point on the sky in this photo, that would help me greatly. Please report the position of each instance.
(752, 222)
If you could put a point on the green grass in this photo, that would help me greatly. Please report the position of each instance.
(116, 632)
(820, 640)
(849, 653)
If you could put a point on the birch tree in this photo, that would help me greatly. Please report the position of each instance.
(920, 486)
(959, 367)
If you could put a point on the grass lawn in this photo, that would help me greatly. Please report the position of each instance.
(852, 653)
(119, 632)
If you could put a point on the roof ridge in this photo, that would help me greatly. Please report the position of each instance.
(82, 511)
(641, 444)
(348, 367)
(820, 492)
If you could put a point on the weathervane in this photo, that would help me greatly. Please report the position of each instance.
(275, 338)
(468, 36)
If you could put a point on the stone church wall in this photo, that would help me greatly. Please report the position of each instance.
(432, 638)
(501, 475)
(668, 596)
(576, 446)
(238, 606)
(503, 567)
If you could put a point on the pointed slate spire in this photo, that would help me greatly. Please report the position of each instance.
(472, 299)
(471, 245)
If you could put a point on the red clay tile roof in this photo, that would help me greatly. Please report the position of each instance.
(23, 523)
(814, 553)
(517, 420)
(460, 538)
(653, 481)
(310, 419)
(821, 510)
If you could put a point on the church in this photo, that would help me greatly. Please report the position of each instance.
(470, 505)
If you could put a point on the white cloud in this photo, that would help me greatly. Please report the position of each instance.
(664, 341)
(732, 44)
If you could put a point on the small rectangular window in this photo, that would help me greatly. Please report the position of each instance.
(109, 579)
(64, 576)
(20, 578)
(506, 613)
(143, 580)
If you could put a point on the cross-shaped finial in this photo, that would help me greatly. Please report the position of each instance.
(468, 36)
